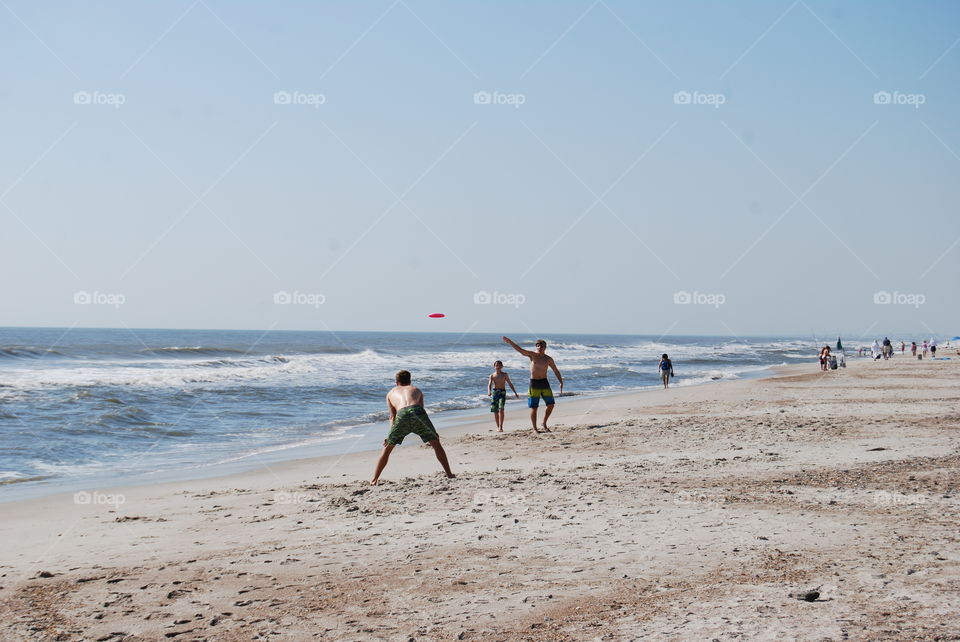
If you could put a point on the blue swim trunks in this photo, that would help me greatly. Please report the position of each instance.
(539, 388)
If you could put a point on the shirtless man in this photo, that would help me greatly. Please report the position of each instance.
(407, 415)
(539, 386)
(497, 391)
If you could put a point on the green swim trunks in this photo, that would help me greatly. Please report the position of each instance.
(412, 419)
(498, 400)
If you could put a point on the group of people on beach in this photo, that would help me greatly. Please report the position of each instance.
(408, 415)
(886, 349)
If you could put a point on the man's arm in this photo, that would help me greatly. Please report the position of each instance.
(489, 385)
(393, 411)
(512, 388)
(556, 371)
(526, 353)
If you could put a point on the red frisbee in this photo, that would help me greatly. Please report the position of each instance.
(436, 315)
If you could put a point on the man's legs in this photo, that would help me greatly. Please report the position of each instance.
(382, 462)
(546, 415)
(533, 419)
(441, 457)
(500, 416)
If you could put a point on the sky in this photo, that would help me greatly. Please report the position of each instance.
(735, 169)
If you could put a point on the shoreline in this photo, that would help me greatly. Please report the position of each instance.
(287, 469)
(446, 421)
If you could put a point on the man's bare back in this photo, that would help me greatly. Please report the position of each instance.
(408, 416)
(402, 396)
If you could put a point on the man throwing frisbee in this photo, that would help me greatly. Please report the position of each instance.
(539, 386)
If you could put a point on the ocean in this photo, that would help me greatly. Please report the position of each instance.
(85, 408)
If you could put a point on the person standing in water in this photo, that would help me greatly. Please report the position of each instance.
(666, 370)
(407, 415)
(497, 391)
(540, 361)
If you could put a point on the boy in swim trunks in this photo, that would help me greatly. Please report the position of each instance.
(539, 386)
(497, 391)
(407, 415)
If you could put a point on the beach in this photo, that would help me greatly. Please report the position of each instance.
(99, 409)
(697, 512)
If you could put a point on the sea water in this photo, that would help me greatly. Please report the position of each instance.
(95, 406)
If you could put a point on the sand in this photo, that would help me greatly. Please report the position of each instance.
(691, 513)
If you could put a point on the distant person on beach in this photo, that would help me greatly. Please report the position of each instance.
(903, 347)
(926, 346)
(913, 348)
(540, 361)
(666, 370)
(933, 348)
(497, 391)
(824, 358)
(887, 348)
(875, 350)
(407, 415)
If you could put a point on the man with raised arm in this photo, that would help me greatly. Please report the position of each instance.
(539, 386)
(407, 415)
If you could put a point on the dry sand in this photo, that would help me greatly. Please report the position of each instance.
(693, 513)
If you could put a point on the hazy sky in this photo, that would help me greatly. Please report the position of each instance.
(518, 166)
